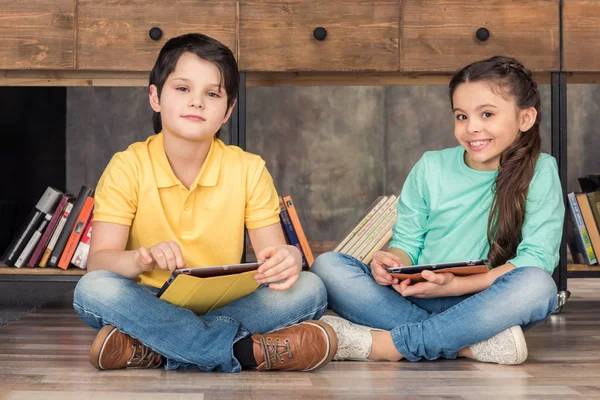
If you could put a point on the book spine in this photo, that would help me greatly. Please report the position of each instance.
(588, 220)
(33, 241)
(581, 232)
(375, 206)
(76, 233)
(289, 230)
(59, 228)
(386, 225)
(81, 254)
(385, 239)
(45, 239)
(594, 199)
(84, 193)
(351, 248)
(293, 213)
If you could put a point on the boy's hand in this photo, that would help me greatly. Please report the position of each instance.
(281, 263)
(436, 285)
(164, 255)
(381, 261)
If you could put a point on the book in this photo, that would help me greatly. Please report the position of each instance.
(84, 193)
(45, 205)
(594, 199)
(377, 230)
(33, 241)
(581, 234)
(290, 231)
(45, 239)
(291, 209)
(588, 220)
(373, 208)
(57, 231)
(78, 228)
(383, 243)
(374, 221)
(81, 253)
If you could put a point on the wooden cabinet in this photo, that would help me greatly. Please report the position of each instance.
(442, 35)
(333, 35)
(37, 34)
(581, 35)
(114, 35)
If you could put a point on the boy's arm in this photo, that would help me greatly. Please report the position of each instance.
(107, 250)
(282, 261)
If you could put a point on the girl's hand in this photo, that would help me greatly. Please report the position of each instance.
(381, 261)
(164, 255)
(436, 285)
(281, 263)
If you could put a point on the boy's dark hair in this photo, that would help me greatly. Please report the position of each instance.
(205, 48)
(517, 162)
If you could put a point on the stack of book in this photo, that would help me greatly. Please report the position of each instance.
(584, 210)
(56, 233)
(293, 229)
(373, 231)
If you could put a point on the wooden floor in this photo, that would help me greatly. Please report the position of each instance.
(45, 356)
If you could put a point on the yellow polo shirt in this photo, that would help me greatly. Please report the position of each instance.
(233, 189)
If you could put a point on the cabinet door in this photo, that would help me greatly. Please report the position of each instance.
(37, 34)
(581, 35)
(115, 35)
(445, 35)
(333, 35)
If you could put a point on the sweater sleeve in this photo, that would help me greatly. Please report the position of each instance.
(544, 218)
(411, 225)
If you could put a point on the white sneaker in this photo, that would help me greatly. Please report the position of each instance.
(507, 347)
(354, 341)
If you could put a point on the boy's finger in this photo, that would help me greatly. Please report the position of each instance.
(179, 263)
(266, 253)
(144, 256)
(159, 258)
(289, 282)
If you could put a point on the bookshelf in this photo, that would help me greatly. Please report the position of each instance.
(50, 274)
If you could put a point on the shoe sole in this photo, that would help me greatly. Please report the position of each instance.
(520, 343)
(332, 343)
(98, 346)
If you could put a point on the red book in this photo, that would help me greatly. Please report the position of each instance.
(83, 248)
(76, 233)
(43, 243)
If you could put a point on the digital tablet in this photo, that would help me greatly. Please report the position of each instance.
(208, 272)
(413, 272)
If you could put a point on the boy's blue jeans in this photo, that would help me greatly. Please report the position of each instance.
(438, 327)
(185, 339)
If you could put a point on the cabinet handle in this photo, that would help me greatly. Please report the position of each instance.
(155, 33)
(320, 33)
(482, 34)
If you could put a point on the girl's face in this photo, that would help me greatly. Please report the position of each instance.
(486, 122)
(192, 105)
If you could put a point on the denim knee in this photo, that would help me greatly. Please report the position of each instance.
(311, 287)
(329, 266)
(533, 291)
(98, 286)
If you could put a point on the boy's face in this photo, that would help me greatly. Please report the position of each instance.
(486, 123)
(192, 106)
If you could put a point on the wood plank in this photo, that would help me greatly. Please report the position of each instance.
(581, 35)
(277, 35)
(583, 267)
(6, 270)
(439, 35)
(37, 34)
(115, 35)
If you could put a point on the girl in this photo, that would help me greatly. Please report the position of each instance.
(494, 196)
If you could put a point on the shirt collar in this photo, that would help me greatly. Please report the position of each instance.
(165, 177)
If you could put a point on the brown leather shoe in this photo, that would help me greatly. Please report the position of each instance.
(302, 347)
(112, 349)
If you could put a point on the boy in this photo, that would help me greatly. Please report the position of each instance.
(182, 199)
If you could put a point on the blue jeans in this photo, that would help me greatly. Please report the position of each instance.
(185, 339)
(438, 327)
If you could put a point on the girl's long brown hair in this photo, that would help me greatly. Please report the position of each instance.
(517, 162)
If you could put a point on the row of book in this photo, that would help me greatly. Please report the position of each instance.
(293, 231)
(56, 233)
(373, 230)
(583, 237)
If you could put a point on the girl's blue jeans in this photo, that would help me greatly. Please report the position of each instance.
(437, 327)
(185, 339)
